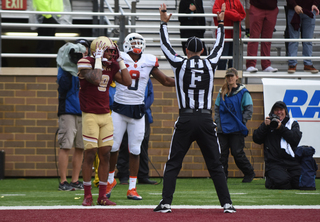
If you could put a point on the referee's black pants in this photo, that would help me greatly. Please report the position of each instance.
(188, 128)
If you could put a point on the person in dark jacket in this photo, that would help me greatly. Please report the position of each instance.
(280, 135)
(69, 113)
(192, 7)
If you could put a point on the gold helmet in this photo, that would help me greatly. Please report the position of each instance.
(108, 44)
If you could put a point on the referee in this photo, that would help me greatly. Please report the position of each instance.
(194, 87)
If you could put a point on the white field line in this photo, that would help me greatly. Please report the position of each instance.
(11, 195)
(153, 206)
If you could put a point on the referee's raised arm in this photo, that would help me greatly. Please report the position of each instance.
(173, 58)
(216, 52)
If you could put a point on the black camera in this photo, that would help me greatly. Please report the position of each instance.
(74, 57)
(274, 121)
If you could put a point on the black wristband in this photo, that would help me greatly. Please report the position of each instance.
(163, 10)
(220, 21)
(163, 23)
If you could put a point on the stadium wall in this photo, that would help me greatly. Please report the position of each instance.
(28, 123)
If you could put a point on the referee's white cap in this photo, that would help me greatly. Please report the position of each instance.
(194, 44)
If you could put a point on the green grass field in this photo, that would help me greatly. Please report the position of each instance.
(189, 191)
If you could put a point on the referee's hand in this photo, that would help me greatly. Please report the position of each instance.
(164, 17)
(220, 15)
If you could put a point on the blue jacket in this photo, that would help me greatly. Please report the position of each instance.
(68, 93)
(232, 113)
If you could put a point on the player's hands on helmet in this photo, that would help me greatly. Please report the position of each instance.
(100, 48)
(117, 55)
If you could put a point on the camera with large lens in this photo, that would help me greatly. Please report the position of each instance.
(274, 121)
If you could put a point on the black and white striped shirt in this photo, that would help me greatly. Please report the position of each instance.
(194, 76)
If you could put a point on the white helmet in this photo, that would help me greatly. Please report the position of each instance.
(135, 43)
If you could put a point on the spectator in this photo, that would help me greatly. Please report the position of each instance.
(96, 74)
(123, 158)
(301, 16)
(246, 6)
(234, 13)
(192, 7)
(47, 46)
(263, 18)
(69, 113)
(233, 108)
(280, 136)
(194, 86)
(128, 112)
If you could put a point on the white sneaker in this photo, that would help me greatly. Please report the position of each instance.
(252, 69)
(270, 69)
(228, 208)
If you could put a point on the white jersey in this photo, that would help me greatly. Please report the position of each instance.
(140, 73)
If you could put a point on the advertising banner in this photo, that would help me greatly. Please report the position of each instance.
(302, 98)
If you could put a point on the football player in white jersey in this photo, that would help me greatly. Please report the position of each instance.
(128, 107)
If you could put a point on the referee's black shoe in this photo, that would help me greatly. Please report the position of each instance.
(163, 208)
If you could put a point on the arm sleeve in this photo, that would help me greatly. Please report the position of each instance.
(217, 49)
(247, 107)
(173, 58)
(291, 3)
(260, 134)
(293, 135)
(64, 81)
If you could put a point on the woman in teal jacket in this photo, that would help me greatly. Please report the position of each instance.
(233, 108)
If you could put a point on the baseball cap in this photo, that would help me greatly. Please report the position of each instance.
(194, 44)
(231, 72)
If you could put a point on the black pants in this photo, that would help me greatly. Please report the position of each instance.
(282, 177)
(234, 142)
(194, 127)
(123, 158)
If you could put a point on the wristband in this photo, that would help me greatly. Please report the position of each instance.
(163, 10)
(163, 23)
(122, 65)
(98, 64)
(220, 21)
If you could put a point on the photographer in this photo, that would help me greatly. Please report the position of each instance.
(280, 135)
(69, 113)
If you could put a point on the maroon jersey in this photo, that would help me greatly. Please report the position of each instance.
(95, 99)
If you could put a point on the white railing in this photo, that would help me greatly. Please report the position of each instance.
(148, 27)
